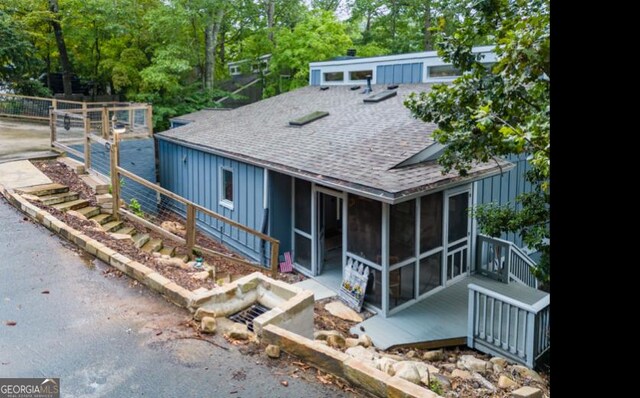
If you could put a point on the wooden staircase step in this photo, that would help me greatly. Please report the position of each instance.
(89, 211)
(126, 231)
(56, 198)
(76, 166)
(72, 205)
(95, 183)
(168, 250)
(112, 226)
(102, 218)
(152, 245)
(44, 189)
(140, 239)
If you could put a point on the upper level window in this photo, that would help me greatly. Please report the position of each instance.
(444, 71)
(360, 74)
(334, 76)
(226, 187)
(234, 70)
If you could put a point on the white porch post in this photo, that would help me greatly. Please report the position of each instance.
(385, 259)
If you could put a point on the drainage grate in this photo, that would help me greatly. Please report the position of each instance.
(248, 315)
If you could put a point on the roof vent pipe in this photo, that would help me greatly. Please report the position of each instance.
(351, 52)
(368, 89)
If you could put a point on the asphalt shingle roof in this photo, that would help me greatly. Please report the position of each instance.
(355, 147)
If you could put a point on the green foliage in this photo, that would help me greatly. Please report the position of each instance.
(498, 111)
(435, 386)
(135, 208)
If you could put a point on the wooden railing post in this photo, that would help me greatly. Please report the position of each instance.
(54, 104)
(471, 314)
(87, 142)
(150, 119)
(275, 249)
(115, 178)
(105, 123)
(191, 227)
(52, 124)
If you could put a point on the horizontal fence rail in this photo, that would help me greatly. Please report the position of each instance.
(501, 325)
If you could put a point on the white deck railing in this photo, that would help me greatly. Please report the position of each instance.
(502, 260)
(501, 325)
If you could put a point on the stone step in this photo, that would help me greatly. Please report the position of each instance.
(98, 186)
(168, 250)
(58, 198)
(103, 218)
(89, 211)
(184, 258)
(152, 245)
(112, 226)
(72, 205)
(104, 198)
(44, 189)
(140, 239)
(126, 231)
(76, 166)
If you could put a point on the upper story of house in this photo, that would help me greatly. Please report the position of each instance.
(247, 66)
(420, 67)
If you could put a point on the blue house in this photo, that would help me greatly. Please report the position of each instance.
(342, 174)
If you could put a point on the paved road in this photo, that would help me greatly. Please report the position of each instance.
(19, 139)
(99, 333)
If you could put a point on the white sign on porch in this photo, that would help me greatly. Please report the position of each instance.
(354, 284)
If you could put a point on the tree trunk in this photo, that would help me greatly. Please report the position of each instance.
(428, 44)
(211, 42)
(271, 10)
(62, 49)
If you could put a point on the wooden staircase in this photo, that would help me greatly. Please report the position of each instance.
(61, 198)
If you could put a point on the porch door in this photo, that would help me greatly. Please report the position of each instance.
(458, 232)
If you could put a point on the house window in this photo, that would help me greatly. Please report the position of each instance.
(444, 71)
(334, 76)
(226, 187)
(360, 74)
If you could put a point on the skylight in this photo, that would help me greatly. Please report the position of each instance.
(428, 154)
(381, 96)
(308, 118)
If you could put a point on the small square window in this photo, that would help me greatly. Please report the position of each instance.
(226, 187)
(334, 76)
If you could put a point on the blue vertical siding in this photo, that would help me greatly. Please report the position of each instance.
(315, 77)
(196, 175)
(280, 209)
(504, 188)
(399, 73)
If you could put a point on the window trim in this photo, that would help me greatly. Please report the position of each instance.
(224, 202)
(324, 76)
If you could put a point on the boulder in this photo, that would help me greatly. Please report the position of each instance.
(386, 365)
(202, 275)
(336, 341)
(208, 325)
(339, 309)
(499, 361)
(173, 227)
(483, 382)
(203, 312)
(469, 362)
(449, 367)
(323, 334)
(362, 354)
(422, 368)
(239, 331)
(365, 340)
(173, 262)
(411, 354)
(349, 342)
(461, 374)
(407, 370)
(527, 392)
(273, 351)
(433, 356)
(441, 379)
(525, 372)
(76, 214)
(506, 382)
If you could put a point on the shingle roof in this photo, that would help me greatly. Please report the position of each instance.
(354, 148)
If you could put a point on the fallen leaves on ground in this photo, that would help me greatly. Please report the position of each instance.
(285, 383)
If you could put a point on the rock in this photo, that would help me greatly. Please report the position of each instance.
(499, 361)
(411, 354)
(497, 369)
(407, 370)
(173, 227)
(525, 372)
(365, 340)
(441, 379)
(173, 262)
(202, 275)
(165, 256)
(121, 237)
(423, 369)
(339, 309)
(323, 334)
(362, 354)
(323, 342)
(156, 254)
(506, 382)
(469, 362)
(239, 331)
(395, 357)
(462, 374)
(449, 367)
(336, 341)
(76, 214)
(208, 325)
(203, 312)
(386, 365)
(273, 351)
(349, 342)
(433, 356)
(484, 382)
(527, 392)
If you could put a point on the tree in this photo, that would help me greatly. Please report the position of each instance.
(500, 110)
(62, 47)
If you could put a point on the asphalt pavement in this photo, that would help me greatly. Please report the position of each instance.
(106, 336)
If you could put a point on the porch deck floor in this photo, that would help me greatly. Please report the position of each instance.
(439, 320)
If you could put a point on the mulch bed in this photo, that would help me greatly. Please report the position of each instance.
(62, 174)
(323, 320)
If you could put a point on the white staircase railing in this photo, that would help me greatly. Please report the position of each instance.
(502, 260)
(501, 325)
